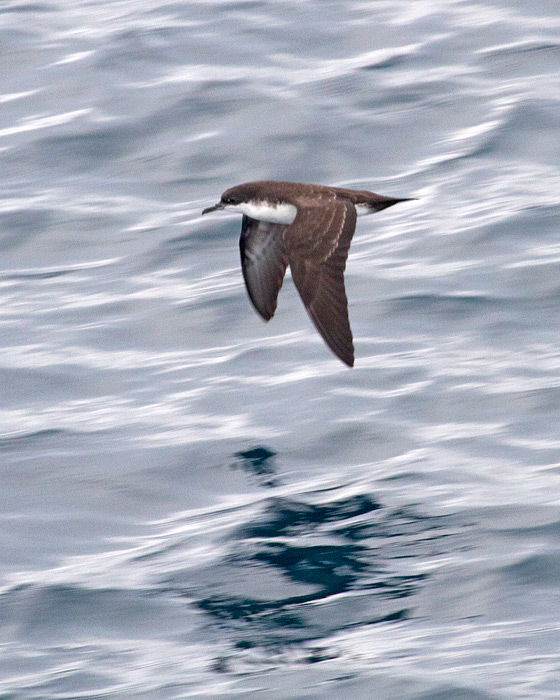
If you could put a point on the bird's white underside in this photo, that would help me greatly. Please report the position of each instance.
(277, 214)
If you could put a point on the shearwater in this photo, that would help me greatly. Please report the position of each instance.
(309, 228)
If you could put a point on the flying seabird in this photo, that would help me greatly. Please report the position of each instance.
(309, 228)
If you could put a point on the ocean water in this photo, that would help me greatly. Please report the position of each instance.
(196, 504)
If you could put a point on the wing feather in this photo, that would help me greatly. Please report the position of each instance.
(317, 245)
(263, 262)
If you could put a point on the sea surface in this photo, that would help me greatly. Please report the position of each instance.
(195, 504)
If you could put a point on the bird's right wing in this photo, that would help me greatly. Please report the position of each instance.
(317, 244)
(264, 262)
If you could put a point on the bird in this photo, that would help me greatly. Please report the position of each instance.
(310, 228)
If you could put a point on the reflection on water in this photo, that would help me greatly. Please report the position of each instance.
(301, 570)
(260, 462)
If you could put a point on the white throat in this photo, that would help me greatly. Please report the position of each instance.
(275, 213)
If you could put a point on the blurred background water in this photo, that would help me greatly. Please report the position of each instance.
(199, 505)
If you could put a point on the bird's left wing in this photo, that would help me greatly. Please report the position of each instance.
(264, 262)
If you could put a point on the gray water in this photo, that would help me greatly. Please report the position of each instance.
(199, 505)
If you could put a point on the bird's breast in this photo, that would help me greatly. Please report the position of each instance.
(282, 213)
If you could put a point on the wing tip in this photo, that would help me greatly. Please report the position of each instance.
(345, 355)
(264, 313)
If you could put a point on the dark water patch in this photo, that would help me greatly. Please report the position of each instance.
(250, 609)
(258, 461)
(333, 87)
(38, 273)
(398, 587)
(304, 570)
(156, 554)
(532, 225)
(455, 693)
(284, 517)
(210, 100)
(458, 306)
(536, 119)
(46, 275)
(520, 48)
(143, 49)
(385, 101)
(62, 612)
(331, 569)
(89, 150)
(316, 655)
(24, 7)
(402, 521)
(219, 231)
(18, 227)
(11, 442)
(547, 213)
(537, 570)
(246, 5)
(390, 62)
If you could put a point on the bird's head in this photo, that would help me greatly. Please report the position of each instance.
(231, 199)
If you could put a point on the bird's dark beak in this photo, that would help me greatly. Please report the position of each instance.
(219, 205)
